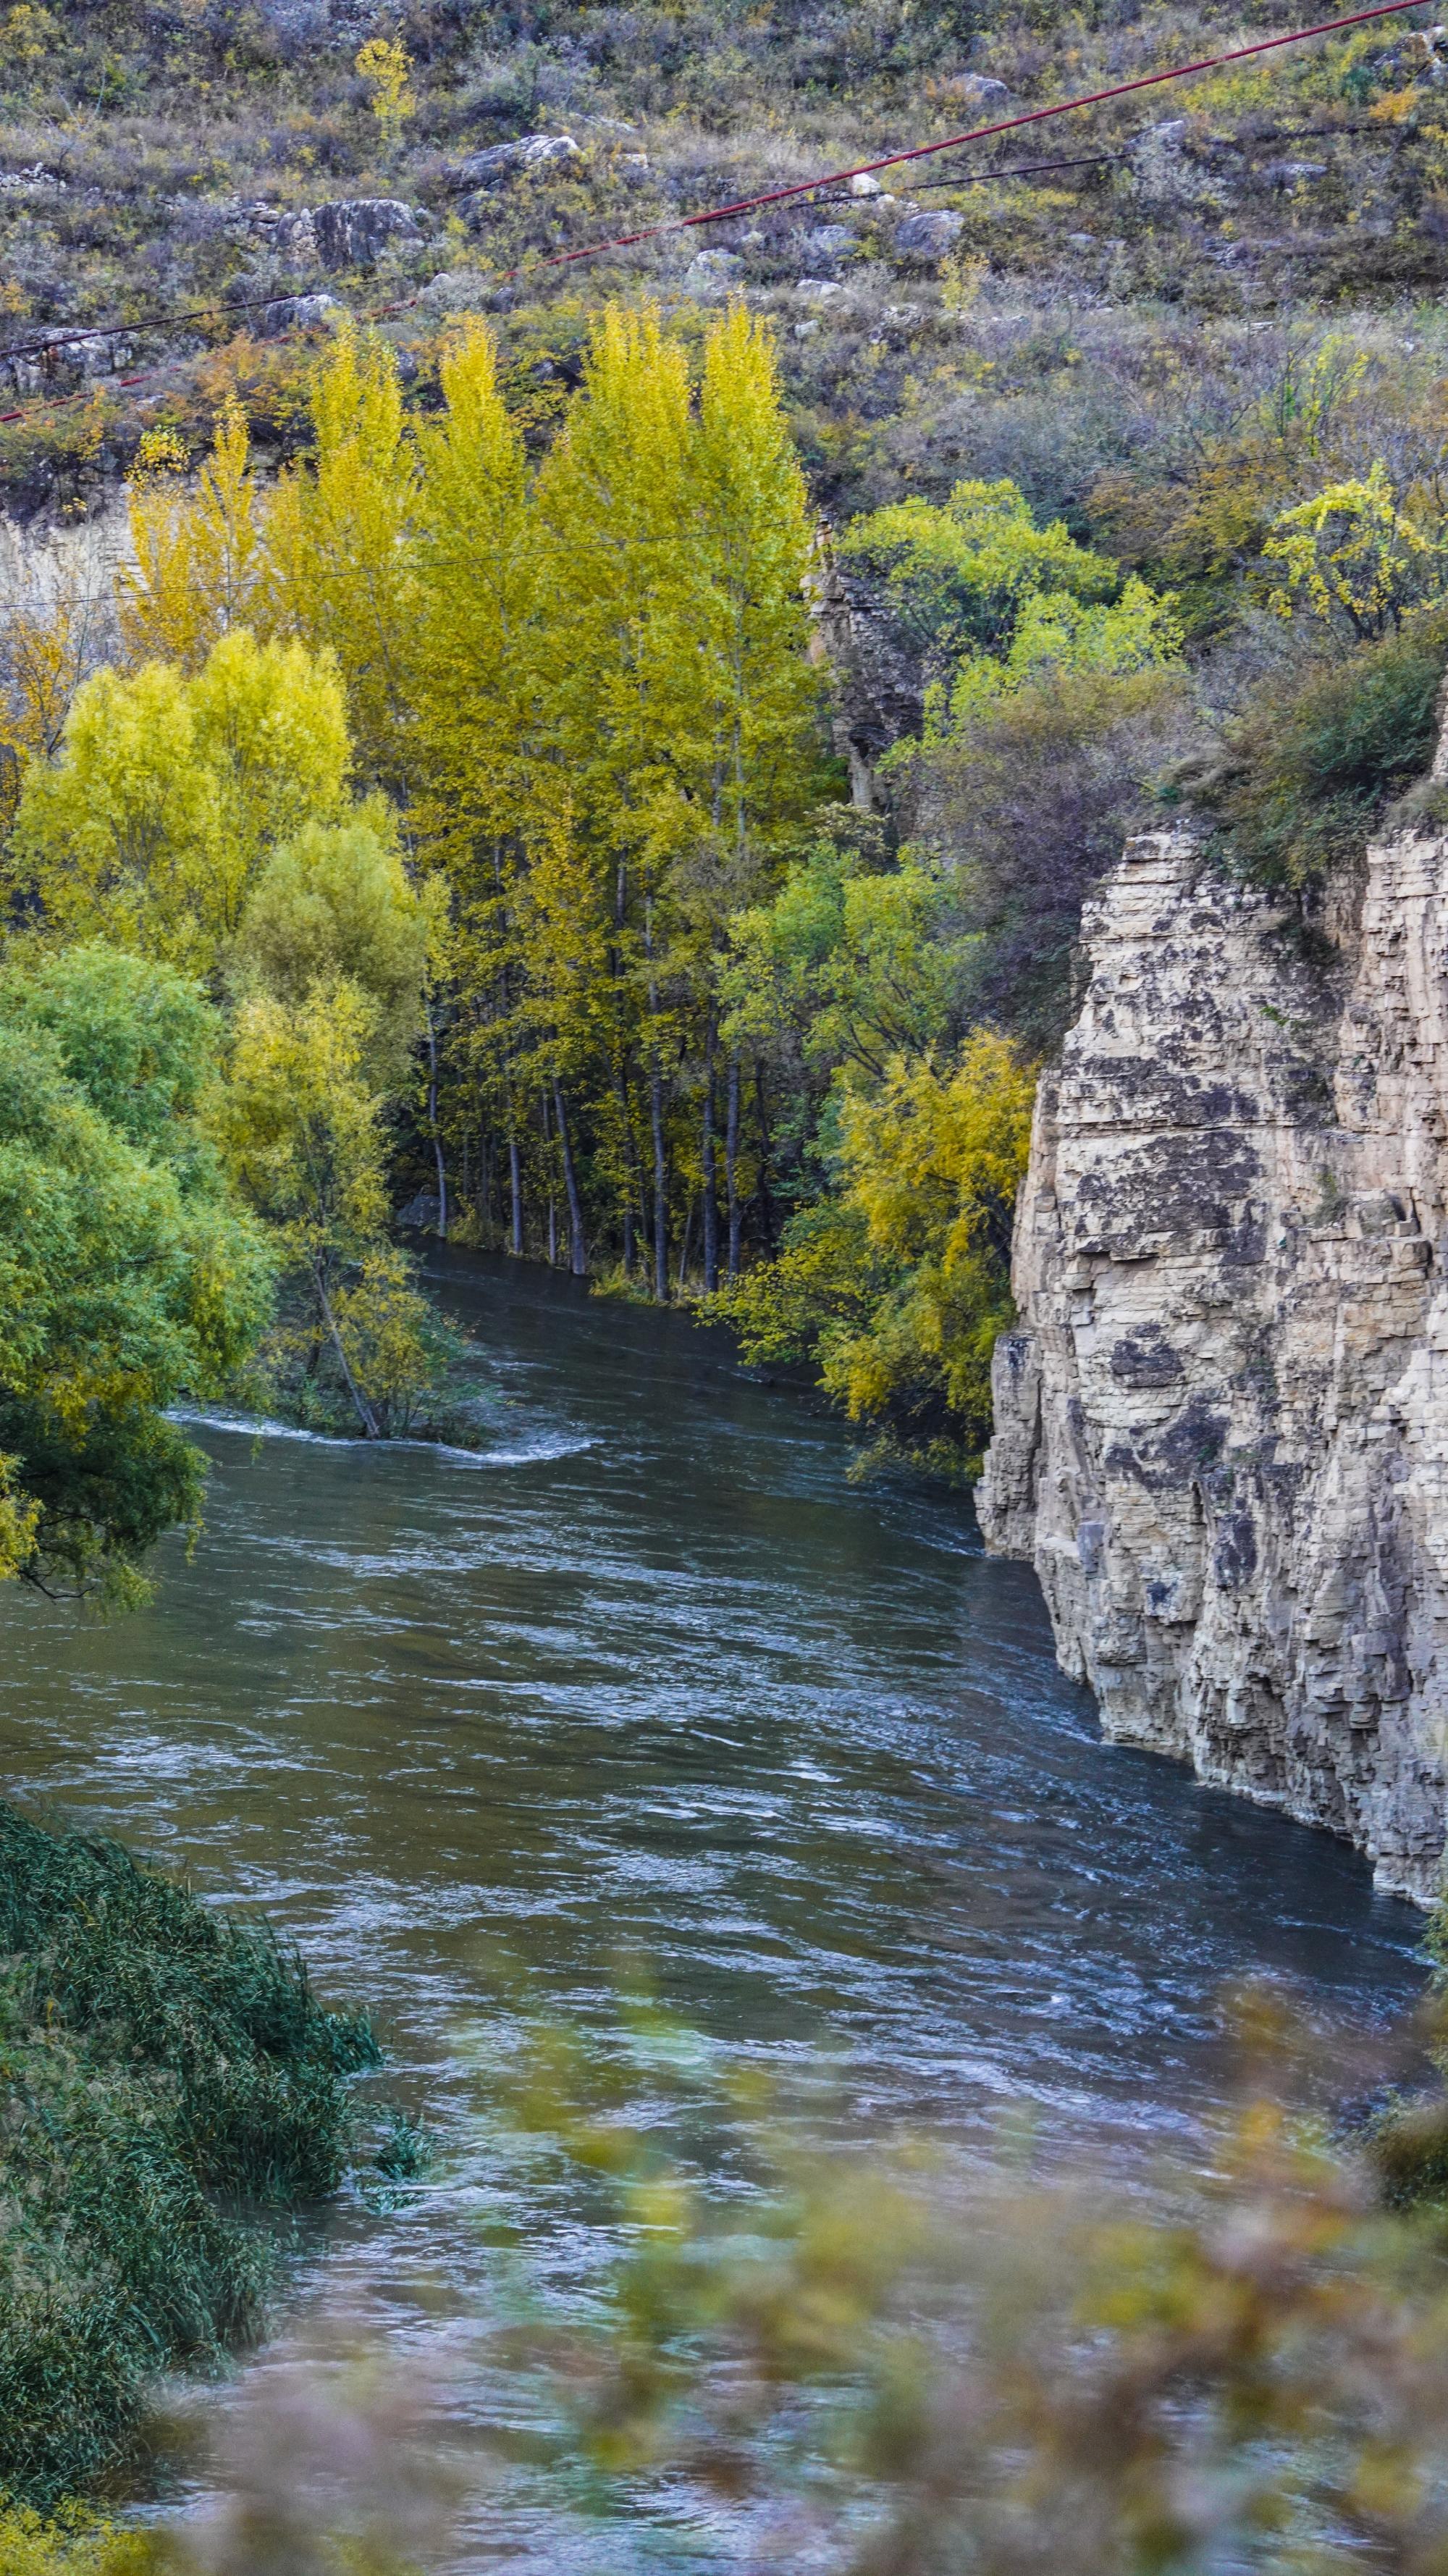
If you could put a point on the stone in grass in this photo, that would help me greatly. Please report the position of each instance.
(712, 268)
(300, 313)
(928, 235)
(819, 290)
(829, 241)
(973, 89)
(1287, 175)
(531, 153)
(351, 232)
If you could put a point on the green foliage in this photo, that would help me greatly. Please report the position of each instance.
(957, 577)
(852, 963)
(1306, 775)
(991, 604)
(129, 1278)
(899, 1285)
(1352, 553)
(335, 905)
(157, 2054)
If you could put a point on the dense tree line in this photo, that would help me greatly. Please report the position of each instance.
(466, 797)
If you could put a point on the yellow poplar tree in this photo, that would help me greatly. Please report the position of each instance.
(338, 535)
(200, 568)
(614, 506)
(151, 824)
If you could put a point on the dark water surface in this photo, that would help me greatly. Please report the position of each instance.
(650, 1679)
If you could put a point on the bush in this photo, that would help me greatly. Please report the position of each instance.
(157, 2054)
(1307, 775)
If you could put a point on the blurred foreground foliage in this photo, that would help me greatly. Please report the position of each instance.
(861, 2360)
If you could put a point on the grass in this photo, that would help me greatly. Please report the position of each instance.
(165, 2071)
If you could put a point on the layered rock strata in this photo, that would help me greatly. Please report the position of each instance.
(1222, 1427)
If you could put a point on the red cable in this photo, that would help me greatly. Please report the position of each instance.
(770, 196)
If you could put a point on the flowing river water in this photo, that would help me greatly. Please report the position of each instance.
(649, 1685)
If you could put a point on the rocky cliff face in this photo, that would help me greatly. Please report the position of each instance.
(1222, 1428)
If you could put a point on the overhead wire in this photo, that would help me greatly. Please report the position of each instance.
(794, 190)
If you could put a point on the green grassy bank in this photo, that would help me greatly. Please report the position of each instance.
(166, 2073)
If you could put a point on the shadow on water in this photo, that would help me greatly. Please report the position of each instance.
(649, 1679)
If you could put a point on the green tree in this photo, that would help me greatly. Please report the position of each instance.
(333, 905)
(897, 1284)
(303, 1122)
(128, 1279)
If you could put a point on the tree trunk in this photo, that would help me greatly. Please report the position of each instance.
(577, 1253)
(711, 1203)
(731, 1164)
(684, 1246)
(766, 1202)
(365, 1414)
(433, 1128)
(515, 1183)
(661, 1181)
(656, 1122)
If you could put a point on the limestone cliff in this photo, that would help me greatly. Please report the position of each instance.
(1222, 1427)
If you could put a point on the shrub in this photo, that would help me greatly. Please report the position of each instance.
(157, 2054)
(1306, 775)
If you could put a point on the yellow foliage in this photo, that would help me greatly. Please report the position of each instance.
(28, 34)
(898, 1286)
(153, 821)
(72, 2542)
(473, 656)
(1352, 552)
(303, 1125)
(199, 566)
(386, 67)
(932, 1164)
(339, 540)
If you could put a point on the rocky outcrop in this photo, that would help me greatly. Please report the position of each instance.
(531, 153)
(1222, 1426)
(351, 231)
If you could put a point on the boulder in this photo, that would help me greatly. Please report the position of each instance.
(351, 231)
(819, 290)
(288, 232)
(928, 235)
(298, 313)
(1286, 175)
(829, 241)
(865, 184)
(504, 161)
(712, 268)
(422, 1215)
(973, 89)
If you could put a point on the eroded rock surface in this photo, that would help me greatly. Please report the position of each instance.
(1222, 1428)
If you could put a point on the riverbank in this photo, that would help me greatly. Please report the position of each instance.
(169, 2074)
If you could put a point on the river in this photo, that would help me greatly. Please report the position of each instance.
(649, 1684)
